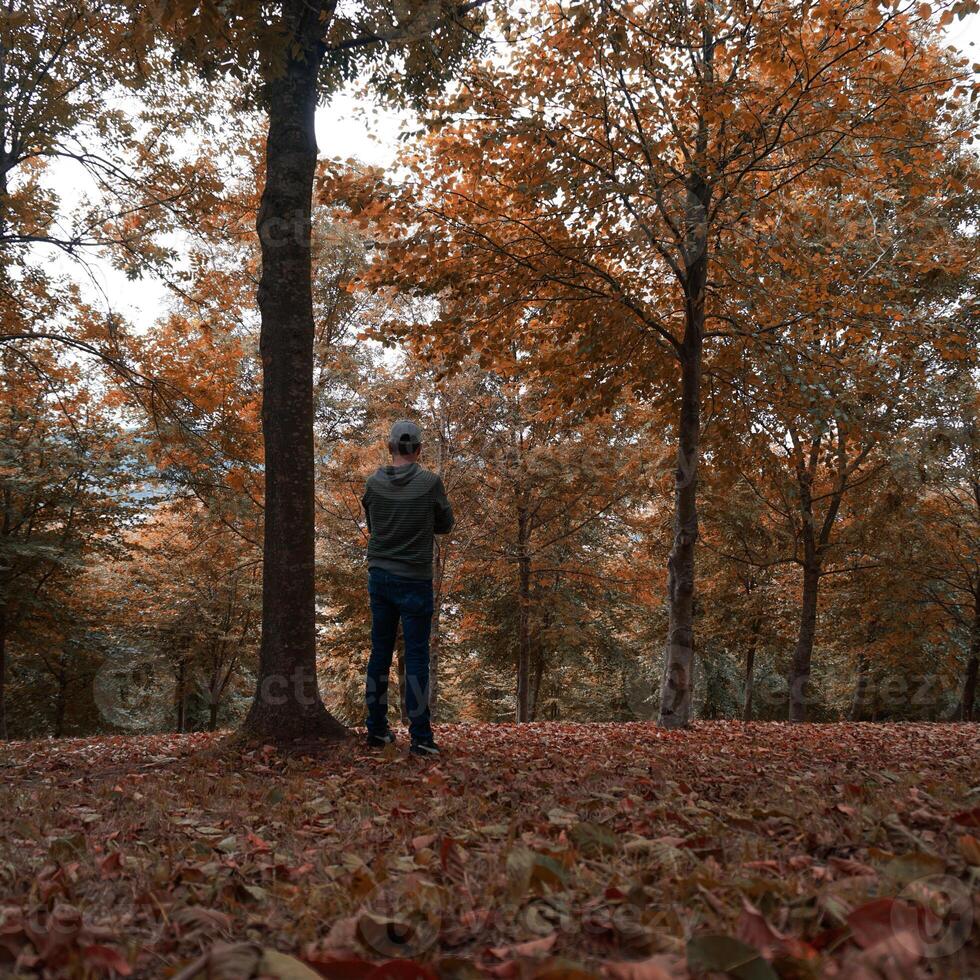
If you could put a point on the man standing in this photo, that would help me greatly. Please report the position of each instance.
(404, 505)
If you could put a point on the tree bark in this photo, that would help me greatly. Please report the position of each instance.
(524, 619)
(972, 665)
(61, 702)
(287, 703)
(676, 689)
(859, 703)
(750, 674)
(181, 696)
(799, 677)
(536, 684)
(3, 673)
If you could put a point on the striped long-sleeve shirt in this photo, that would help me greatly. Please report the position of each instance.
(405, 506)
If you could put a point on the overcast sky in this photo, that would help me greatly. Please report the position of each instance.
(344, 128)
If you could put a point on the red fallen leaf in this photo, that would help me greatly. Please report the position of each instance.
(753, 930)
(797, 949)
(401, 970)
(533, 947)
(761, 865)
(504, 971)
(422, 841)
(968, 818)
(851, 867)
(257, 843)
(13, 936)
(879, 920)
(654, 968)
(828, 938)
(848, 811)
(111, 864)
(337, 964)
(893, 958)
(614, 894)
(451, 850)
(107, 958)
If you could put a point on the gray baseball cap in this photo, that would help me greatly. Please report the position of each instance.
(405, 436)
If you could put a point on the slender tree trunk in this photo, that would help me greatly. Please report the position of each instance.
(676, 689)
(62, 700)
(750, 675)
(536, 684)
(799, 677)
(287, 701)
(972, 665)
(181, 696)
(3, 673)
(213, 715)
(859, 702)
(524, 619)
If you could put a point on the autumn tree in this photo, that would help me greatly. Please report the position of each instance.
(589, 192)
(197, 623)
(945, 563)
(289, 57)
(66, 479)
(92, 165)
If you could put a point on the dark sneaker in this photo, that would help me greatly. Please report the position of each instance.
(379, 741)
(424, 746)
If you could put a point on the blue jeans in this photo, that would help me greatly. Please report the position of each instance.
(395, 597)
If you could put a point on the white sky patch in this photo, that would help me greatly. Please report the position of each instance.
(348, 127)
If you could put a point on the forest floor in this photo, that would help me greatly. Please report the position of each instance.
(542, 852)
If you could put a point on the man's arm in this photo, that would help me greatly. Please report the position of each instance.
(443, 509)
(367, 510)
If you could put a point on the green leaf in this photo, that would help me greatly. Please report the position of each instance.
(908, 867)
(527, 870)
(724, 954)
(591, 838)
(285, 967)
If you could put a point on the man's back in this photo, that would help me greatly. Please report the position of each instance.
(405, 506)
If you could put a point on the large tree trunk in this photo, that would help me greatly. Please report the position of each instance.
(523, 620)
(3, 673)
(970, 681)
(287, 700)
(799, 677)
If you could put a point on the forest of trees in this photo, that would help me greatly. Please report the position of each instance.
(683, 296)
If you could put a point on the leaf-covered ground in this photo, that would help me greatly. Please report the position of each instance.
(542, 851)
